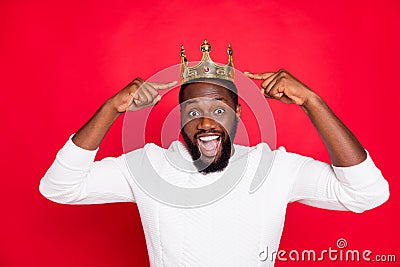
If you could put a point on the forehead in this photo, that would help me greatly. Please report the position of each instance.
(207, 90)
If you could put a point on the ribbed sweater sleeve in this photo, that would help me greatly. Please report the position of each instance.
(356, 188)
(75, 178)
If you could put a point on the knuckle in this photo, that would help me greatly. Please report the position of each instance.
(282, 71)
(282, 79)
(135, 84)
(138, 82)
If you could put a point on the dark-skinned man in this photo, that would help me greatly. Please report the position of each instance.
(235, 229)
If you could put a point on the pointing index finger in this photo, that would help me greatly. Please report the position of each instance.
(162, 86)
(259, 76)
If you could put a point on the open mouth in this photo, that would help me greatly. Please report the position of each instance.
(209, 144)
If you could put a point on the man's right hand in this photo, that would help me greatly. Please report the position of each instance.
(139, 94)
(136, 95)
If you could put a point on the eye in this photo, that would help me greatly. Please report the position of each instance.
(193, 113)
(219, 111)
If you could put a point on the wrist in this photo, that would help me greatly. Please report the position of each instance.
(312, 100)
(110, 108)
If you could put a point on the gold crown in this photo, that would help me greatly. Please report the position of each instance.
(206, 68)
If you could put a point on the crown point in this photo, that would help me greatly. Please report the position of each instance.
(182, 53)
(206, 68)
(205, 47)
(230, 51)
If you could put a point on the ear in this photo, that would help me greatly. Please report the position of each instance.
(238, 110)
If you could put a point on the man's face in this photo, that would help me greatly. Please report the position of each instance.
(209, 118)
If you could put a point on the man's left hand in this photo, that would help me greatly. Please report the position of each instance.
(283, 86)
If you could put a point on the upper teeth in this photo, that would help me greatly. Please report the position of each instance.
(208, 138)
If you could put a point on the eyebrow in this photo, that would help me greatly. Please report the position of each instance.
(188, 102)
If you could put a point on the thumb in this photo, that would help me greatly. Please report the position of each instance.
(259, 76)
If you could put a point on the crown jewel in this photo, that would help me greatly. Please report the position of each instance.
(206, 68)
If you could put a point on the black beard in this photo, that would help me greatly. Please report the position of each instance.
(221, 162)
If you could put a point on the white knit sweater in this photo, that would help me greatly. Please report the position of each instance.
(232, 231)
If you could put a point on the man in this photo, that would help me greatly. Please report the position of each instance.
(234, 230)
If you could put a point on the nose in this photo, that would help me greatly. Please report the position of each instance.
(206, 124)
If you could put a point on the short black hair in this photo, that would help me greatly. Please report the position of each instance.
(229, 85)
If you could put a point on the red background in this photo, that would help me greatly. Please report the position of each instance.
(61, 61)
